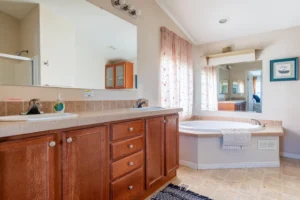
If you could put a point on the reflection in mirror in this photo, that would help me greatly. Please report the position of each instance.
(238, 87)
(223, 86)
(55, 43)
(233, 87)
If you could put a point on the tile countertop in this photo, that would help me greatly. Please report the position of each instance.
(85, 118)
(266, 131)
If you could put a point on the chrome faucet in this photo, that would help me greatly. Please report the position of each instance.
(34, 108)
(140, 102)
(258, 123)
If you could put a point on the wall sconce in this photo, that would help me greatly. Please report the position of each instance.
(121, 5)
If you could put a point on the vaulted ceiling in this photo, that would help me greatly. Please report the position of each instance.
(199, 19)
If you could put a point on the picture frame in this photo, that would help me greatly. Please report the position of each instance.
(284, 69)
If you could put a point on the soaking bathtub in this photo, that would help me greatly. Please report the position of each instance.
(201, 146)
(216, 126)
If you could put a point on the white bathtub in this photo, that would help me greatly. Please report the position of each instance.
(216, 126)
(199, 150)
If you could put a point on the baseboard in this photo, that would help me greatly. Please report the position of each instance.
(290, 155)
(188, 164)
(239, 165)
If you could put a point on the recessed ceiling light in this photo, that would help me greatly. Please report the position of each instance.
(223, 21)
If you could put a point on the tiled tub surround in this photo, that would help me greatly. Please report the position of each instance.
(84, 118)
(14, 108)
(203, 150)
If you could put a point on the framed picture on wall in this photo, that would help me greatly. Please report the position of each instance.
(284, 69)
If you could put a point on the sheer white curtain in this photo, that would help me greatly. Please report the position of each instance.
(209, 94)
(176, 73)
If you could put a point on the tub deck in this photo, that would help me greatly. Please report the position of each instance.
(267, 131)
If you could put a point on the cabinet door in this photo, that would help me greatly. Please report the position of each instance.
(110, 76)
(172, 143)
(86, 164)
(154, 150)
(27, 169)
(120, 75)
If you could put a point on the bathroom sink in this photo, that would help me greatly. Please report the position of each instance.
(41, 117)
(149, 108)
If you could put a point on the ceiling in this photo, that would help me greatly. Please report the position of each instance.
(199, 19)
(16, 9)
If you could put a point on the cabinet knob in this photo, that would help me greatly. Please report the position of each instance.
(52, 144)
(130, 163)
(130, 146)
(130, 129)
(69, 140)
(130, 187)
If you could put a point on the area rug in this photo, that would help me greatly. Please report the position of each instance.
(174, 192)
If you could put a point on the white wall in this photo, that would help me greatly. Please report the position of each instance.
(9, 34)
(280, 99)
(90, 69)
(30, 33)
(57, 46)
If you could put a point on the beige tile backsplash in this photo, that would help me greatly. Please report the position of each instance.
(14, 108)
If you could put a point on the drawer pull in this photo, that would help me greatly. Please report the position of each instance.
(130, 146)
(130, 164)
(69, 140)
(52, 144)
(130, 187)
(130, 129)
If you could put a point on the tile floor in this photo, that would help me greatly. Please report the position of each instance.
(245, 184)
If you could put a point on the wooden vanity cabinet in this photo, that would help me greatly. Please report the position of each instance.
(86, 164)
(171, 144)
(162, 148)
(117, 161)
(28, 169)
(119, 76)
(155, 150)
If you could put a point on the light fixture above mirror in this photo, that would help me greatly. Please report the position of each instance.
(121, 5)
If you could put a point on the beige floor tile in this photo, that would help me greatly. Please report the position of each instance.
(245, 184)
(250, 186)
(291, 191)
(291, 171)
(256, 173)
(288, 197)
(242, 196)
(236, 175)
(223, 194)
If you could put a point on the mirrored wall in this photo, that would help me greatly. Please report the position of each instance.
(232, 87)
(58, 44)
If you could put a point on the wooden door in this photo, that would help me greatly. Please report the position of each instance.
(109, 76)
(86, 164)
(154, 150)
(120, 75)
(27, 169)
(172, 144)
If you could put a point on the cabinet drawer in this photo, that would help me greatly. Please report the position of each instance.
(126, 147)
(128, 187)
(128, 129)
(128, 164)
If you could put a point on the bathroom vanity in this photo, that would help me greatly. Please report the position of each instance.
(121, 154)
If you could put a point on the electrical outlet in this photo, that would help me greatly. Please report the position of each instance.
(88, 93)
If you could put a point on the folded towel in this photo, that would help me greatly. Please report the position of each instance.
(236, 139)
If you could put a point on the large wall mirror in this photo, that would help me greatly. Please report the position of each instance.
(232, 87)
(56, 43)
